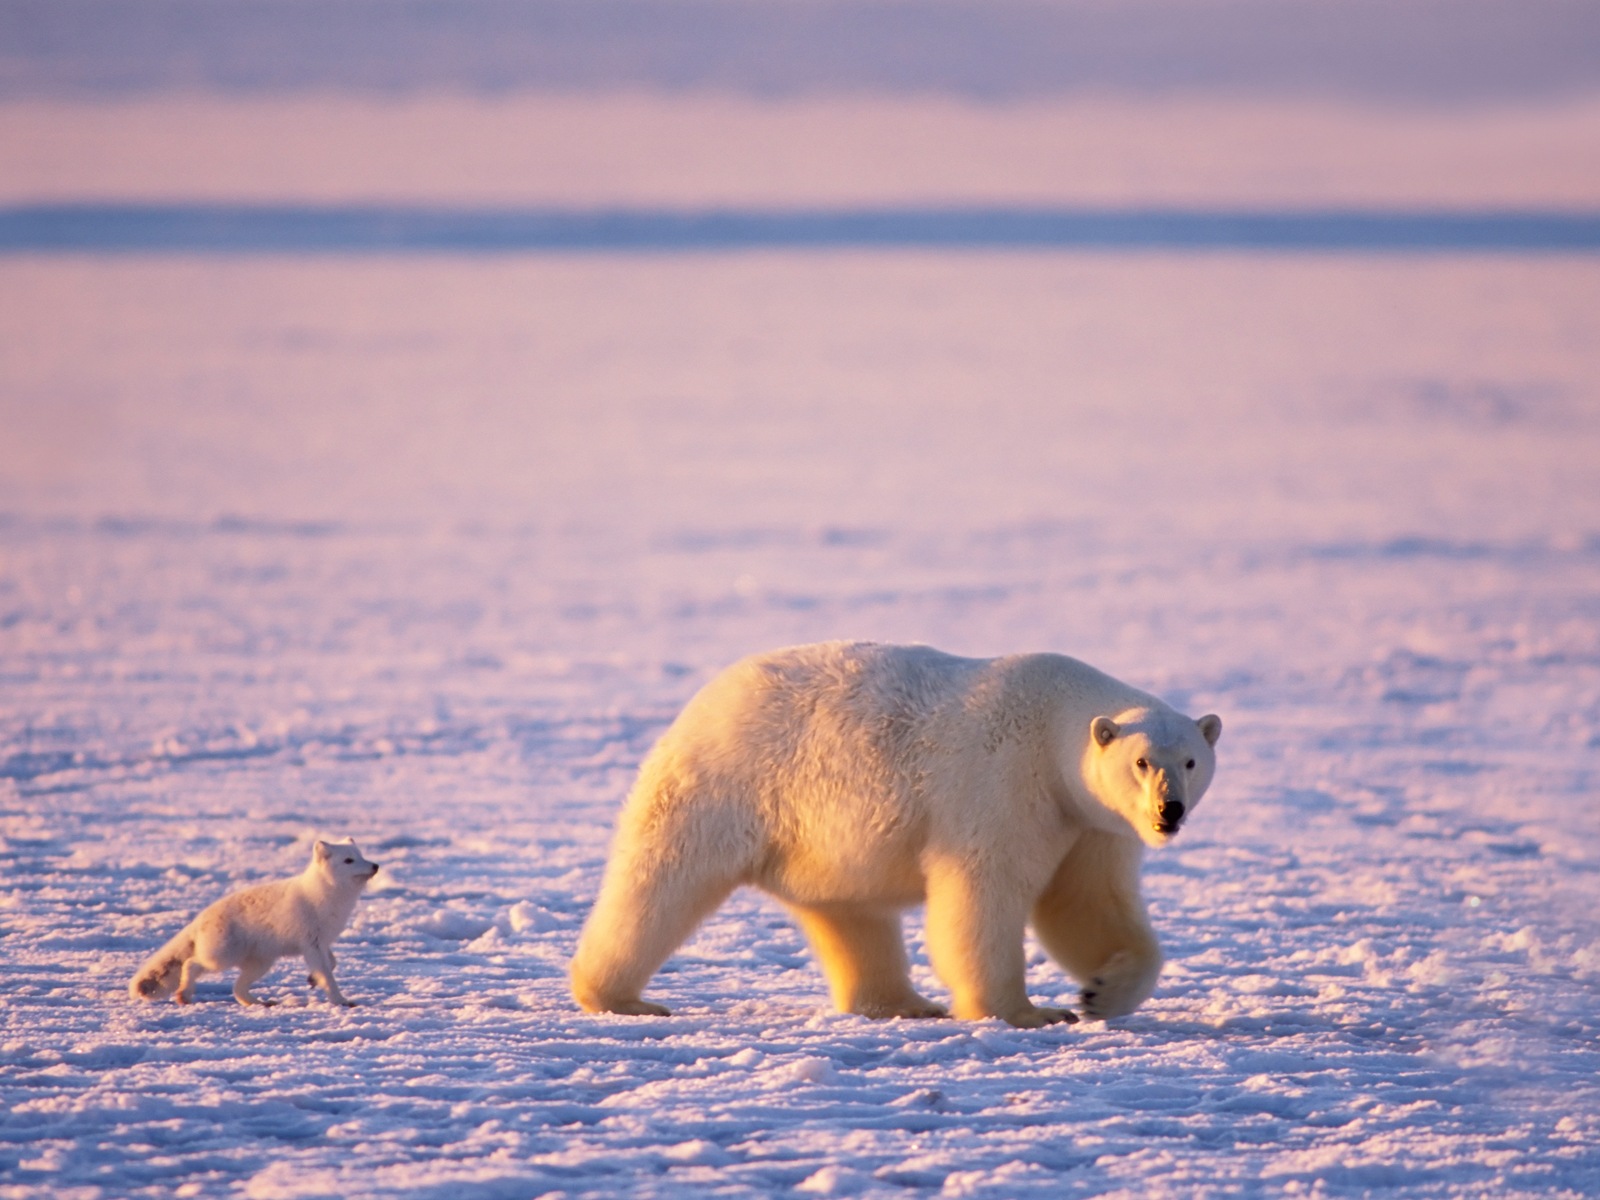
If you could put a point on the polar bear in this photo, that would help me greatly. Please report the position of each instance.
(852, 780)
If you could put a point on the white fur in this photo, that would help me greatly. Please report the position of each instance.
(253, 928)
(853, 780)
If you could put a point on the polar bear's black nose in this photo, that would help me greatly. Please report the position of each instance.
(1172, 812)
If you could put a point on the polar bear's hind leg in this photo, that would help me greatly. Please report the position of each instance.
(863, 955)
(639, 919)
(633, 930)
(975, 942)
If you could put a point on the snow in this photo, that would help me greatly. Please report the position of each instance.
(426, 550)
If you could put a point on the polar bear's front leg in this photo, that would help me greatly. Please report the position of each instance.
(1092, 920)
(863, 954)
(975, 928)
(1123, 982)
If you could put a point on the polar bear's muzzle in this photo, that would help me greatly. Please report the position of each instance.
(1171, 816)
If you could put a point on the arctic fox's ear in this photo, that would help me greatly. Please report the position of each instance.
(1210, 728)
(1103, 730)
(320, 850)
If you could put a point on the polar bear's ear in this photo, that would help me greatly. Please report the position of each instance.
(1103, 730)
(320, 850)
(1210, 728)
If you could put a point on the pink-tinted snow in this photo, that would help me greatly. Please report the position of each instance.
(425, 550)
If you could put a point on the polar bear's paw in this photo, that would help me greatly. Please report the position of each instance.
(1037, 1018)
(637, 1008)
(911, 1008)
(1119, 987)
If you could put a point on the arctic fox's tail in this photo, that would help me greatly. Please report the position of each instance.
(158, 978)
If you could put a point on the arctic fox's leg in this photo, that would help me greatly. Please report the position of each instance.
(192, 970)
(251, 970)
(640, 918)
(320, 962)
(863, 954)
(1092, 920)
(975, 929)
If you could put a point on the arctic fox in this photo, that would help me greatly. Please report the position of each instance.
(251, 929)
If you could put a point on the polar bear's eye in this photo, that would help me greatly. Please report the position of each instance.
(349, 860)
(1142, 765)
(1190, 764)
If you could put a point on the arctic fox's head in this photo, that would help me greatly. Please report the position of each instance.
(1151, 766)
(342, 862)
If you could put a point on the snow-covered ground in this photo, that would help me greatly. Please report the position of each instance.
(425, 550)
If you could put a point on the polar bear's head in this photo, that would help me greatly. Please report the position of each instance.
(1150, 766)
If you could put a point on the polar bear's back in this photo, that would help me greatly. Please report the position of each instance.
(802, 766)
(793, 718)
(818, 767)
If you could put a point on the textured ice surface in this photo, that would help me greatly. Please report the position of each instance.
(426, 552)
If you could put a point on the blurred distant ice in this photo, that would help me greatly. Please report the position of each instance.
(1416, 50)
